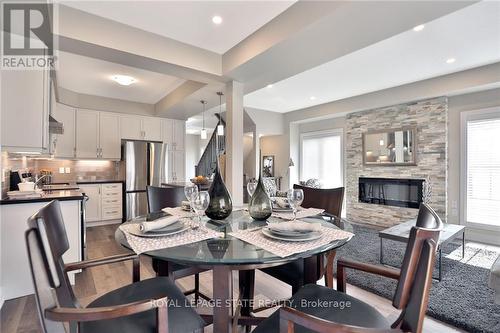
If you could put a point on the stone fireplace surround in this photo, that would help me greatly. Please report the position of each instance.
(431, 120)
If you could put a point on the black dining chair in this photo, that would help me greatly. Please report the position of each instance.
(137, 307)
(411, 296)
(159, 198)
(294, 273)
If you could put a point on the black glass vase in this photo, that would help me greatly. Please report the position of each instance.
(221, 205)
(260, 206)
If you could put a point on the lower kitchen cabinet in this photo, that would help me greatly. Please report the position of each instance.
(104, 204)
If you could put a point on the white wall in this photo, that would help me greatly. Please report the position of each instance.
(192, 146)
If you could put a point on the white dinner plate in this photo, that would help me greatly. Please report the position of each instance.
(135, 230)
(308, 237)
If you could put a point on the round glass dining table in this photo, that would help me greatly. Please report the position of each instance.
(226, 254)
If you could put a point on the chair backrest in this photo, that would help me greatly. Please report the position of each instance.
(46, 242)
(412, 292)
(329, 199)
(161, 197)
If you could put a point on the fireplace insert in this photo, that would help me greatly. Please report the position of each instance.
(391, 191)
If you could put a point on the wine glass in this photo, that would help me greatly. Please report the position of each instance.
(200, 203)
(295, 198)
(251, 186)
(190, 190)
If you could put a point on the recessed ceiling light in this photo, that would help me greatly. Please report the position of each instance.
(269, 85)
(124, 80)
(217, 19)
(312, 98)
(419, 27)
(450, 60)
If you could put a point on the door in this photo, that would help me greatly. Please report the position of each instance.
(131, 128)
(87, 133)
(136, 164)
(137, 204)
(151, 128)
(93, 205)
(109, 135)
(157, 163)
(179, 134)
(65, 143)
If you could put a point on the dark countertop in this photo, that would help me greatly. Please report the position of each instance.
(65, 195)
(100, 182)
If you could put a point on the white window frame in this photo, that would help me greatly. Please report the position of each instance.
(466, 116)
(320, 134)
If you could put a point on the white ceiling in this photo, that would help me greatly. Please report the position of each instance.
(92, 76)
(190, 21)
(471, 35)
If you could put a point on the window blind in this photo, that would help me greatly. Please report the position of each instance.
(483, 171)
(322, 159)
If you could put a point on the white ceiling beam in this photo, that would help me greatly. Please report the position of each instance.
(177, 96)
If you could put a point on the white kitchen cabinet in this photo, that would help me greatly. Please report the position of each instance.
(93, 204)
(174, 133)
(151, 129)
(87, 133)
(109, 135)
(64, 144)
(179, 136)
(177, 162)
(131, 127)
(105, 202)
(25, 107)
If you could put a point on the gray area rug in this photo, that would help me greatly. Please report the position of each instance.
(461, 299)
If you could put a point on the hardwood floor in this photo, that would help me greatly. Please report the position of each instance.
(20, 315)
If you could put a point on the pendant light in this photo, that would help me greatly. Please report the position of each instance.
(203, 133)
(220, 127)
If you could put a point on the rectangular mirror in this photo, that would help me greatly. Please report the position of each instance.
(390, 147)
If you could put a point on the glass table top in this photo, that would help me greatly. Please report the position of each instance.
(228, 250)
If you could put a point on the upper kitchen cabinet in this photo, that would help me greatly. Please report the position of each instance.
(131, 127)
(109, 135)
(25, 108)
(140, 128)
(64, 144)
(151, 128)
(97, 135)
(87, 134)
(173, 133)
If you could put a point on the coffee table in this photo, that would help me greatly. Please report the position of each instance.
(401, 232)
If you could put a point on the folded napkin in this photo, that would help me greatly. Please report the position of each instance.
(282, 202)
(302, 213)
(158, 224)
(178, 211)
(298, 226)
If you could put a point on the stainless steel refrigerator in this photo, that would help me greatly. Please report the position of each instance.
(146, 163)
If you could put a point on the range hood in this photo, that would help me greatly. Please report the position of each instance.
(55, 127)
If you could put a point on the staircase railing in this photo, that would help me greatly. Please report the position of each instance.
(208, 160)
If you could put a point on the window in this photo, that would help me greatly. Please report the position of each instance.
(322, 157)
(482, 168)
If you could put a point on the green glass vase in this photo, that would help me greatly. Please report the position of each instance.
(260, 205)
(221, 205)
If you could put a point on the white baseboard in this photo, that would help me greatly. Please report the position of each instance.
(99, 223)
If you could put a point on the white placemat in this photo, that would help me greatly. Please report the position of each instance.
(302, 213)
(283, 248)
(145, 244)
(178, 211)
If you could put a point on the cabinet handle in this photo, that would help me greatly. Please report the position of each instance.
(97, 152)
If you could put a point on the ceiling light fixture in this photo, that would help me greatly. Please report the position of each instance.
(419, 27)
(220, 127)
(269, 85)
(203, 133)
(123, 80)
(217, 19)
(312, 98)
(450, 60)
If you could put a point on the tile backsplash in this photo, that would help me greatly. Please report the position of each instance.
(82, 170)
